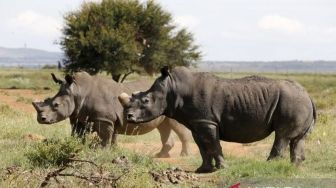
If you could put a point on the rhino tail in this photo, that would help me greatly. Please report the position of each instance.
(314, 110)
(310, 128)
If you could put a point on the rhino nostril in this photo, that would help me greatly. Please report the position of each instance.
(43, 118)
(130, 116)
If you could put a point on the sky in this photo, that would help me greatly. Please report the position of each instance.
(238, 30)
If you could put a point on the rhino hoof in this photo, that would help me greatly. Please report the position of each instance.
(184, 154)
(207, 169)
(222, 166)
(162, 155)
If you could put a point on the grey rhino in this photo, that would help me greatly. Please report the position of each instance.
(235, 110)
(91, 99)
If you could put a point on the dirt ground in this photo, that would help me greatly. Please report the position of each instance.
(19, 99)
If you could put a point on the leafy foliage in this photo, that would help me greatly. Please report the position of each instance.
(53, 152)
(124, 36)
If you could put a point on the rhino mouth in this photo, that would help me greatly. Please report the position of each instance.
(45, 121)
(134, 120)
(137, 120)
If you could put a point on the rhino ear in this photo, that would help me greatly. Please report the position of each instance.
(135, 93)
(56, 80)
(124, 99)
(69, 79)
(165, 71)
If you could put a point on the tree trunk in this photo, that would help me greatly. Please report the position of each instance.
(125, 75)
(116, 77)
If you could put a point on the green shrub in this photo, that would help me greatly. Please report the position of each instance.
(53, 152)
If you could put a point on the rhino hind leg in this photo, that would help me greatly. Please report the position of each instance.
(184, 135)
(166, 140)
(297, 155)
(280, 143)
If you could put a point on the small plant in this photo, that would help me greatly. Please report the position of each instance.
(53, 152)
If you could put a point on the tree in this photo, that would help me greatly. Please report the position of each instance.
(124, 36)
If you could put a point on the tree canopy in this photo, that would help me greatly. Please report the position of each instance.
(124, 36)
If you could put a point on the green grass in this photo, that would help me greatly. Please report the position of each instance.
(45, 156)
(16, 125)
(28, 78)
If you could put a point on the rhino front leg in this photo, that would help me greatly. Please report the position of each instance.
(166, 139)
(105, 132)
(207, 165)
(114, 139)
(78, 129)
(206, 137)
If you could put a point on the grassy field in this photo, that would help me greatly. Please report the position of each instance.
(21, 144)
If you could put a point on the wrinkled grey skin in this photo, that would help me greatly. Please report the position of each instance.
(235, 110)
(91, 100)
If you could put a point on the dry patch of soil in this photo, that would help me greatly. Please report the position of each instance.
(19, 99)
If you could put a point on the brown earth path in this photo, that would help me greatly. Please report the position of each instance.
(20, 99)
(229, 149)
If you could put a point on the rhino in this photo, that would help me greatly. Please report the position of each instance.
(241, 110)
(86, 99)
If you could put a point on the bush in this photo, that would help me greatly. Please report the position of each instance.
(53, 152)
(49, 67)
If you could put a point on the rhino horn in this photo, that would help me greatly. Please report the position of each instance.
(124, 99)
(36, 105)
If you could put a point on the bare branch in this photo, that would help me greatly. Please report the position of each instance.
(125, 75)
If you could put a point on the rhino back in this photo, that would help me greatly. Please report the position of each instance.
(241, 106)
(100, 98)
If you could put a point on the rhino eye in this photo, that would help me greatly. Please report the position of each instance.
(56, 105)
(145, 100)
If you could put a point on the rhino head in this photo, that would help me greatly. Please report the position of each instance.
(59, 107)
(145, 106)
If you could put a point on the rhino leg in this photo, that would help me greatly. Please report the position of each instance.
(114, 139)
(206, 137)
(105, 132)
(166, 139)
(78, 129)
(280, 143)
(184, 134)
(297, 151)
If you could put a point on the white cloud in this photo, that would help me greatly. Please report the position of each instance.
(35, 23)
(187, 21)
(95, 1)
(281, 28)
(281, 24)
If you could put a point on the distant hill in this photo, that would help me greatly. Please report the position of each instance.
(294, 66)
(28, 57)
